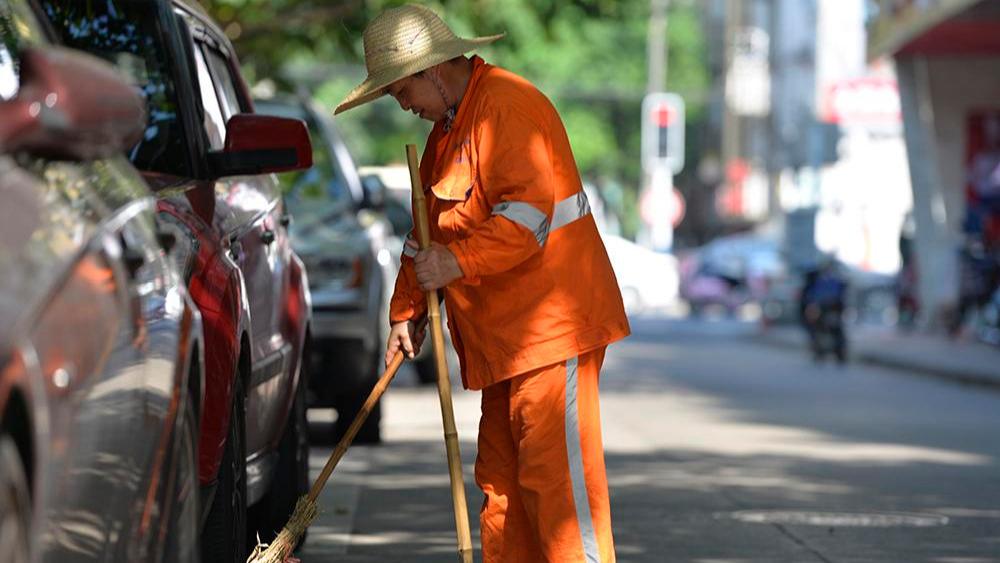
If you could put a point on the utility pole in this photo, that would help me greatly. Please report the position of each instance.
(656, 46)
(731, 121)
(655, 198)
(775, 151)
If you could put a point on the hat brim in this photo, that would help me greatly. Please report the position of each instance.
(375, 85)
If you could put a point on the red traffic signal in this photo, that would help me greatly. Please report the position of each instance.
(663, 115)
(662, 132)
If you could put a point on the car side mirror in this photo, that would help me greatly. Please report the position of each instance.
(70, 105)
(261, 144)
(374, 192)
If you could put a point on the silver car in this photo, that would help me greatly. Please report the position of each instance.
(351, 252)
(100, 345)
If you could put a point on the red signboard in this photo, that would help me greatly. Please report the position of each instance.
(871, 100)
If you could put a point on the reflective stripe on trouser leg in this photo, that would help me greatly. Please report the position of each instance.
(574, 450)
(524, 459)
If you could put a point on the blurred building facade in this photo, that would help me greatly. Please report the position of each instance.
(809, 131)
(947, 56)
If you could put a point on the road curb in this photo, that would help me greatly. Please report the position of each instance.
(955, 375)
(874, 357)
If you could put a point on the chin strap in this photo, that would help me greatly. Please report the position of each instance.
(449, 114)
(449, 118)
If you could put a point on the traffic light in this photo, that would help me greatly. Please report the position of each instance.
(663, 132)
(662, 116)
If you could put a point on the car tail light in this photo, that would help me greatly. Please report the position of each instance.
(357, 273)
(340, 271)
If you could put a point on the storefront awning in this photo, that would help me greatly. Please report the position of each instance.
(929, 26)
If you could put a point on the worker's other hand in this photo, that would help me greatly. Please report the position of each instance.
(403, 336)
(436, 267)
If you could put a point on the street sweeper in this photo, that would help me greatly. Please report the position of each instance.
(532, 301)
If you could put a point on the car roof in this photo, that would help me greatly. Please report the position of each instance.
(289, 105)
(196, 10)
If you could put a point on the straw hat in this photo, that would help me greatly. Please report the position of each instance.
(404, 41)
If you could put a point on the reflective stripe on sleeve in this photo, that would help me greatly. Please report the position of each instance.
(407, 250)
(566, 211)
(570, 209)
(527, 216)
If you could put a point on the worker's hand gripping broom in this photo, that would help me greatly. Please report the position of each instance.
(305, 508)
(443, 383)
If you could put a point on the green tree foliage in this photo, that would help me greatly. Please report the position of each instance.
(588, 56)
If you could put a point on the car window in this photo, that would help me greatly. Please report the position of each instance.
(18, 27)
(398, 215)
(223, 82)
(315, 193)
(215, 121)
(131, 36)
(9, 75)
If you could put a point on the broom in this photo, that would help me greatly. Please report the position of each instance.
(305, 509)
(444, 385)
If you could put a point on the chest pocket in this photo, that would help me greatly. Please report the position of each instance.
(461, 201)
(455, 183)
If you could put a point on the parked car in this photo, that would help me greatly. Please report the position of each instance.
(781, 301)
(344, 238)
(648, 280)
(730, 272)
(100, 344)
(394, 180)
(210, 159)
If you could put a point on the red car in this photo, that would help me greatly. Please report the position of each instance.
(210, 159)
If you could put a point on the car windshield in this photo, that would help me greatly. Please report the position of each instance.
(129, 34)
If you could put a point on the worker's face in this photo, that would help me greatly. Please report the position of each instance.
(418, 94)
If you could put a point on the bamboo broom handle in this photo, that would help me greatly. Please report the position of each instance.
(444, 384)
(352, 430)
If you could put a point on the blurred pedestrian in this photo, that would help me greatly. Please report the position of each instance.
(907, 303)
(531, 298)
(824, 297)
(975, 282)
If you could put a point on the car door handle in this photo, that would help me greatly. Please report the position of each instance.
(267, 236)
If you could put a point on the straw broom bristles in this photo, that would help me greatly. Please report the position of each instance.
(279, 550)
(305, 509)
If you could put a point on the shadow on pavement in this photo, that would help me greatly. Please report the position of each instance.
(676, 505)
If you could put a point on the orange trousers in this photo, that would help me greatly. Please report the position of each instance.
(541, 466)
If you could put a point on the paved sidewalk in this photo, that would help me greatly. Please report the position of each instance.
(961, 360)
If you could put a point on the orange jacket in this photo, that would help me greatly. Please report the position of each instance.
(503, 193)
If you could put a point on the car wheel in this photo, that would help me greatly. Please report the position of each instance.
(225, 536)
(426, 369)
(291, 476)
(353, 397)
(695, 310)
(182, 543)
(15, 503)
(348, 406)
